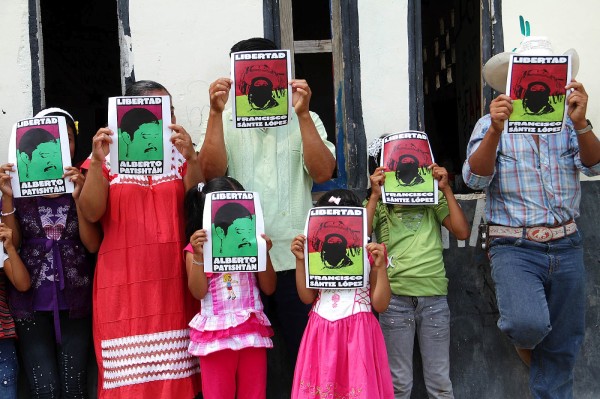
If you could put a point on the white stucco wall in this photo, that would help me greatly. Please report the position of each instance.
(190, 49)
(15, 69)
(384, 66)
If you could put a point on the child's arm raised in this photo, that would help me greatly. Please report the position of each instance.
(267, 280)
(381, 293)
(13, 266)
(90, 233)
(8, 208)
(194, 265)
(456, 221)
(307, 295)
(377, 180)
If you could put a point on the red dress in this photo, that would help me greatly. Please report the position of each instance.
(142, 304)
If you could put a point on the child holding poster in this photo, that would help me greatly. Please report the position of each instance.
(417, 279)
(231, 332)
(342, 353)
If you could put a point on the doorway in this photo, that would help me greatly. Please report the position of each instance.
(81, 62)
(451, 66)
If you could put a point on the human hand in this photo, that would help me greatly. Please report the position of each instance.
(297, 247)
(377, 180)
(500, 110)
(301, 94)
(441, 175)
(5, 178)
(197, 240)
(6, 236)
(101, 144)
(219, 94)
(74, 175)
(378, 254)
(181, 139)
(577, 104)
(268, 241)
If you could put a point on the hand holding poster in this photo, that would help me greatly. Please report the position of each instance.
(234, 238)
(408, 179)
(335, 255)
(536, 84)
(262, 96)
(141, 144)
(39, 149)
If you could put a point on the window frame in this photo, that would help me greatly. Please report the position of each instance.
(350, 135)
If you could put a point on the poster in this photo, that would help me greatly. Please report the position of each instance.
(39, 149)
(234, 237)
(141, 143)
(335, 255)
(537, 87)
(262, 95)
(408, 179)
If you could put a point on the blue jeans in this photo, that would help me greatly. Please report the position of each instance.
(53, 370)
(540, 289)
(9, 369)
(429, 318)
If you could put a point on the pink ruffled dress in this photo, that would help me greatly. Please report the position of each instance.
(342, 354)
(231, 315)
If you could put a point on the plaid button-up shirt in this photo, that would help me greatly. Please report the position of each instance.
(530, 186)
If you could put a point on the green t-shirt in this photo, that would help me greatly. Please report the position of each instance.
(414, 242)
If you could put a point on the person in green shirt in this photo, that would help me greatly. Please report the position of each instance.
(418, 280)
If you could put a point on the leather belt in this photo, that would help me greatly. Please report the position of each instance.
(538, 233)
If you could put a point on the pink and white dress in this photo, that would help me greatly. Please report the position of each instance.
(231, 315)
(342, 354)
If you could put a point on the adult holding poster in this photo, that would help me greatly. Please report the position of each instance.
(280, 163)
(53, 316)
(533, 193)
(139, 262)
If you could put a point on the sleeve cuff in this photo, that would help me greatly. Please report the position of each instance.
(473, 180)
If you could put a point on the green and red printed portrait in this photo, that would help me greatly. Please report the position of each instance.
(39, 148)
(536, 84)
(335, 249)
(261, 88)
(236, 224)
(141, 143)
(408, 179)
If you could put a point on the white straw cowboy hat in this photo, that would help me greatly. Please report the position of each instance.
(495, 71)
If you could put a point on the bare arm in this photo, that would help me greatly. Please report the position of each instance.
(377, 180)
(90, 233)
(8, 206)
(318, 159)
(183, 142)
(197, 281)
(212, 155)
(381, 293)
(15, 269)
(483, 160)
(589, 145)
(307, 295)
(456, 221)
(267, 280)
(94, 194)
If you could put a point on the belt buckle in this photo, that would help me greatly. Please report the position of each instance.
(539, 234)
